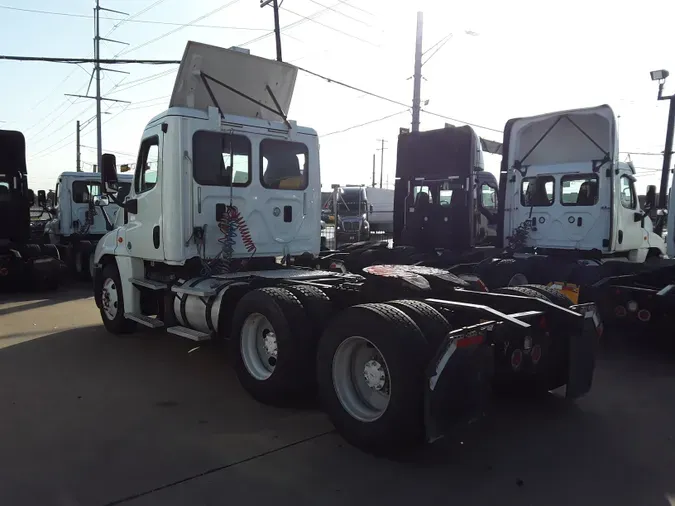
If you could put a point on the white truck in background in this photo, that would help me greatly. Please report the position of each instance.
(381, 209)
(77, 219)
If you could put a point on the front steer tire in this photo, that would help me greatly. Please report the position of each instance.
(119, 324)
(403, 347)
(292, 379)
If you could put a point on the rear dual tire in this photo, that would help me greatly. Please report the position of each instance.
(368, 365)
(370, 372)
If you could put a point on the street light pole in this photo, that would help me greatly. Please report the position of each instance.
(660, 76)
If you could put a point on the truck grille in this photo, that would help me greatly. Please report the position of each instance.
(350, 226)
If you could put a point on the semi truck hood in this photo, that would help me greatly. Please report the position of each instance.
(576, 135)
(244, 74)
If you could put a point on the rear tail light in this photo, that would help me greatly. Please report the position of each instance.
(620, 311)
(516, 359)
(644, 315)
(535, 355)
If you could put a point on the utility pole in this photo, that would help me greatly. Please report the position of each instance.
(417, 80)
(96, 74)
(381, 149)
(373, 170)
(660, 76)
(77, 142)
(277, 29)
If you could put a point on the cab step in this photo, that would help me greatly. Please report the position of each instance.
(197, 292)
(148, 321)
(193, 335)
(149, 283)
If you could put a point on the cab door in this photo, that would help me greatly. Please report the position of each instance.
(630, 233)
(585, 219)
(142, 238)
(288, 193)
(222, 176)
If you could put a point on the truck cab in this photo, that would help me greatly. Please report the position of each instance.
(353, 213)
(15, 197)
(222, 178)
(444, 199)
(564, 189)
(74, 212)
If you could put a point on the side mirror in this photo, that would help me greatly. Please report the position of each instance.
(109, 173)
(650, 198)
(101, 200)
(638, 217)
(371, 208)
(42, 198)
(30, 195)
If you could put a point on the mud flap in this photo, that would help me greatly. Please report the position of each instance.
(459, 380)
(582, 351)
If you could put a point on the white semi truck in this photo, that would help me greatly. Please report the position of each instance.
(78, 221)
(213, 243)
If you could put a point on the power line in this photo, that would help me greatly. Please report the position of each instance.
(76, 61)
(180, 27)
(462, 121)
(346, 3)
(360, 90)
(440, 46)
(329, 27)
(366, 123)
(341, 13)
(288, 26)
(123, 20)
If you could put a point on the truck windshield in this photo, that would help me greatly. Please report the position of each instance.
(352, 203)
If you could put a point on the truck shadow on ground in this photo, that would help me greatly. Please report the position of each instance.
(150, 419)
(24, 301)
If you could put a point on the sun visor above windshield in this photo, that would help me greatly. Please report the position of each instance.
(577, 135)
(12, 152)
(248, 75)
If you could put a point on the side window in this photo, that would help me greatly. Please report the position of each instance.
(579, 190)
(146, 168)
(218, 156)
(85, 191)
(537, 191)
(445, 197)
(284, 165)
(426, 194)
(55, 195)
(627, 190)
(488, 198)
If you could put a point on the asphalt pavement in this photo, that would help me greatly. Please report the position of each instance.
(88, 418)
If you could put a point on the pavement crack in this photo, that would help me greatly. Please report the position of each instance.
(217, 469)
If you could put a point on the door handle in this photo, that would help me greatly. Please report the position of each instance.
(131, 206)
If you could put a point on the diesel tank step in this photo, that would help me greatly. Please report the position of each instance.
(148, 321)
(193, 335)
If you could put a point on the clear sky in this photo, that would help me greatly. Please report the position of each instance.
(528, 57)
